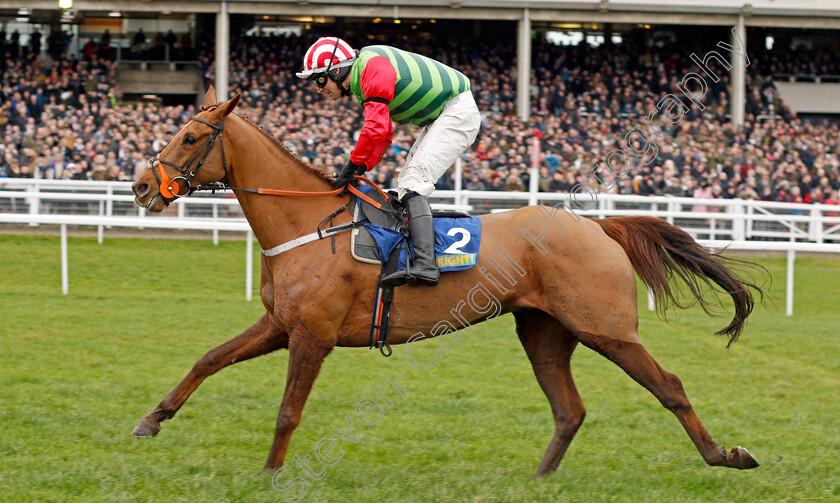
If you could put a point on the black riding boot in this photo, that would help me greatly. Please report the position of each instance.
(424, 270)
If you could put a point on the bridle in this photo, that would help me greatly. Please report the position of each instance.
(170, 189)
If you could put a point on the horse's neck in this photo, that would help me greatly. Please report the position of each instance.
(257, 162)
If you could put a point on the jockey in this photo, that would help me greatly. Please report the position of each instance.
(397, 85)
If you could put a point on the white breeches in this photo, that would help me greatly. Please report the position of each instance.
(439, 145)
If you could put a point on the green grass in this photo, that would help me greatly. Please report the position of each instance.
(77, 372)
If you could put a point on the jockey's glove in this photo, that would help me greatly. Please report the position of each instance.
(348, 173)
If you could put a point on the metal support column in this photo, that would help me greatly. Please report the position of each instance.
(523, 67)
(222, 51)
(738, 74)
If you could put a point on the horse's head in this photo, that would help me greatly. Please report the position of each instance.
(194, 157)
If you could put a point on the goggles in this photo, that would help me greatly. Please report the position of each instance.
(319, 79)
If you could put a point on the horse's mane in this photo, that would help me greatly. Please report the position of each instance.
(285, 150)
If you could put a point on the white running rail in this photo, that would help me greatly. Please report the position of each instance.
(734, 224)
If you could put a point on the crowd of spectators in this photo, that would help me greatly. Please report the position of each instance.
(64, 117)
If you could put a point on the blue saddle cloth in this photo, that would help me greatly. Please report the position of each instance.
(456, 242)
(457, 238)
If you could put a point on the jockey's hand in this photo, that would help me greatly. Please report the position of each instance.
(348, 173)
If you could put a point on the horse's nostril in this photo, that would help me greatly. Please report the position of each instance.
(141, 189)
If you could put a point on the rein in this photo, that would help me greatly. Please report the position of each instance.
(297, 193)
(170, 189)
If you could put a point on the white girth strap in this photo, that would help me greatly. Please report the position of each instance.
(277, 250)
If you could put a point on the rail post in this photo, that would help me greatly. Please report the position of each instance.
(459, 181)
(738, 224)
(34, 204)
(64, 267)
(100, 232)
(815, 226)
(215, 219)
(249, 265)
(791, 258)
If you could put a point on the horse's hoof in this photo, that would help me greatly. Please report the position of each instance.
(744, 460)
(146, 428)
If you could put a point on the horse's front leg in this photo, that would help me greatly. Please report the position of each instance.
(263, 337)
(306, 354)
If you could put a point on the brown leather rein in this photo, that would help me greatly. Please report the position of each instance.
(296, 193)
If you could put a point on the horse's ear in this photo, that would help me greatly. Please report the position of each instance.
(210, 97)
(227, 107)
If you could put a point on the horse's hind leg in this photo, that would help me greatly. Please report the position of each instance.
(549, 346)
(633, 358)
(261, 338)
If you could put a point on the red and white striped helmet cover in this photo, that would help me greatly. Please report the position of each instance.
(317, 58)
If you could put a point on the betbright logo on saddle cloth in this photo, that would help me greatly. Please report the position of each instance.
(460, 238)
(456, 242)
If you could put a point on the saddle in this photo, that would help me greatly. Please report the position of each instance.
(384, 229)
(363, 245)
(380, 236)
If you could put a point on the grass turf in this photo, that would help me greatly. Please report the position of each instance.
(77, 372)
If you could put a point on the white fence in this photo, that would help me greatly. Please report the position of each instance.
(717, 223)
(731, 219)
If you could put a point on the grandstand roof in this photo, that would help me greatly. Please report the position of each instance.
(780, 13)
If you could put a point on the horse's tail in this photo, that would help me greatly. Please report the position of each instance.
(659, 250)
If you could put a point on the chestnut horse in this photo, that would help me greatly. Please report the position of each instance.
(566, 280)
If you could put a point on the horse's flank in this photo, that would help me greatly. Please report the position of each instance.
(583, 247)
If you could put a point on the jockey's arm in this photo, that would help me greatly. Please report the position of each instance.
(377, 82)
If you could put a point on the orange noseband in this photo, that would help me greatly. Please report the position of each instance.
(166, 183)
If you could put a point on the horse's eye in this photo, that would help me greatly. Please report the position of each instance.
(189, 140)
